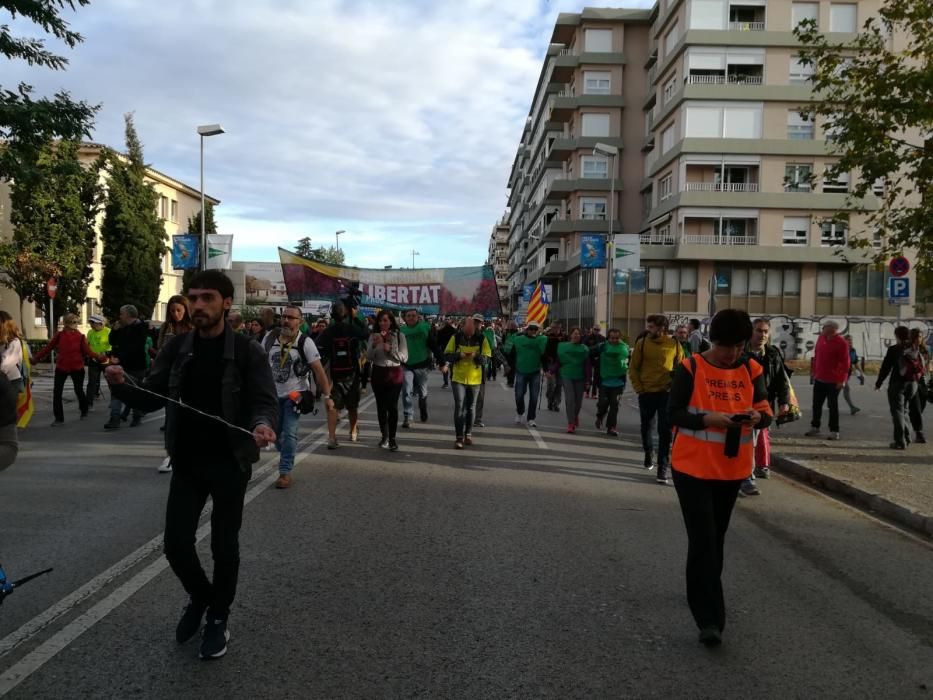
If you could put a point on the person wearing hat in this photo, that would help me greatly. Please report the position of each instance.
(490, 337)
(98, 339)
(529, 349)
(72, 349)
(829, 370)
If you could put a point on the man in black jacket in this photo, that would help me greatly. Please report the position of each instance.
(448, 331)
(128, 344)
(225, 375)
(902, 387)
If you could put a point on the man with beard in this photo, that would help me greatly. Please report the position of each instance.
(225, 378)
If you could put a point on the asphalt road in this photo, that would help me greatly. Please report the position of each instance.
(530, 565)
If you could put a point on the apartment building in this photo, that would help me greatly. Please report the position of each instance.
(177, 202)
(498, 259)
(731, 201)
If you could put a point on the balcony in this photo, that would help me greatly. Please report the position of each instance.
(722, 187)
(702, 231)
(717, 78)
(656, 238)
(716, 239)
(746, 18)
(747, 26)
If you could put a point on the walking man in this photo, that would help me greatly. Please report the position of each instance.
(612, 358)
(829, 370)
(447, 331)
(479, 322)
(654, 358)
(529, 351)
(223, 374)
(467, 353)
(131, 353)
(292, 355)
(905, 369)
(98, 339)
(422, 350)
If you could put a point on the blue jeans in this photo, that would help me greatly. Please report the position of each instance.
(416, 382)
(464, 403)
(651, 405)
(531, 383)
(286, 440)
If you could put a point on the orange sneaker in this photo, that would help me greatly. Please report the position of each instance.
(468, 440)
(283, 482)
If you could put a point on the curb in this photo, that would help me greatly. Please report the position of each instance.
(913, 520)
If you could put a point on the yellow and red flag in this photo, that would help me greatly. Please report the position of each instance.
(538, 306)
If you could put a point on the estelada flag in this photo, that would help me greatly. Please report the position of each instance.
(24, 403)
(538, 306)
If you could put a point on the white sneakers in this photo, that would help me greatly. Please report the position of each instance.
(518, 419)
(166, 466)
(532, 424)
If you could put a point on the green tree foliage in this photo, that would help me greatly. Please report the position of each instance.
(54, 214)
(133, 235)
(194, 227)
(330, 255)
(27, 122)
(876, 97)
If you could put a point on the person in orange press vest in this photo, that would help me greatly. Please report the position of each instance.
(717, 398)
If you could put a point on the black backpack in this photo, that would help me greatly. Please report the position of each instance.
(271, 339)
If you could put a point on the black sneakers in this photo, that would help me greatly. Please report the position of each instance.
(423, 409)
(190, 622)
(710, 636)
(214, 639)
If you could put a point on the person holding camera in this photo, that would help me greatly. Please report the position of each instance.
(387, 351)
(718, 397)
(292, 355)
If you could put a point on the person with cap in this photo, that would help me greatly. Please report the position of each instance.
(529, 348)
(98, 339)
(72, 350)
(829, 371)
(490, 337)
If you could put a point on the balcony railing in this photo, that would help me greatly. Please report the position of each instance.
(722, 186)
(697, 239)
(589, 216)
(747, 26)
(732, 79)
(566, 52)
(656, 239)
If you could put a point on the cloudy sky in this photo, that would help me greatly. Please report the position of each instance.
(394, 120)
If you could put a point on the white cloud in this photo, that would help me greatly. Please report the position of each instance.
(397, 121)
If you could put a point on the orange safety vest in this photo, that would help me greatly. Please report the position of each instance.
(701, 453)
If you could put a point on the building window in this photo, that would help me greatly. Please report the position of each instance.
(667, 139)
(594, 167)
(595, 125)
(797, 177)
(838, 183)
(597, 40)
(877, 187)
(824, 282)
(798, 128)
(833, 233)
(174, 211)
(655, 280)
(799, 74)
(596, 83)
(804, 10)
(163, 208)
(670, 87)
(796, 230)
(843, 18)
(739, 282)
(737, 122)
(647, 200)
(666, 186)
(593, 208)
(670, 39)
(756, 282)
(688, 280)
(723, 277)
(792, 282)
(664, 235)
(672, 280)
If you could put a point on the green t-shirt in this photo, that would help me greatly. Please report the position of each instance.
(490, 337)
(572, 358)
(417, 337)
(528, 352)
(613, 363)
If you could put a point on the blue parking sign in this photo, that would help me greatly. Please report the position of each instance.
(899, 290)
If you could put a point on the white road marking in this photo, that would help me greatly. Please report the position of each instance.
(538, 439)
(37, 658)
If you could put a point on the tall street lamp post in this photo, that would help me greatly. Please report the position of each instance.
(206, 130)
(413, 254)
(612, 153)
(337, 236)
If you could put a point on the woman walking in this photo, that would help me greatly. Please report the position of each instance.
(572, 356)
(177, 323)
(12, 383)
(467, 353)
(72, 351)
(717, 399)
(11, 352)
(387, 351)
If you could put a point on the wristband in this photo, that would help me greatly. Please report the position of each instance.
(325, 396)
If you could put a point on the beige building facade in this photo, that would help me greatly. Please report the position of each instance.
(719, 175)
(177, 202)
(498, 259)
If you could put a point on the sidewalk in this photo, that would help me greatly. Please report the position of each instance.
(861, 468)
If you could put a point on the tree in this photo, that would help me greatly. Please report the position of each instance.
(54, 214)
(133, 234)
(330, 255)
(194, 227)
(876, 97)
(28, 123)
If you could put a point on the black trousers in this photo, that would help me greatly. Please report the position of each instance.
(225, 483)
(609, 401)
(94, 371)
(824, 391)
(387, 408)
(707, 506)
(77, 381)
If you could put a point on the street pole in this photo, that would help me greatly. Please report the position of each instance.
(610, 247)
(413, 254)
(203, 217)
(51, 319)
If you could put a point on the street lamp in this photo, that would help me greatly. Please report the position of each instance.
(205, 130)
(337, 236)
(611, 152)
(413, 254)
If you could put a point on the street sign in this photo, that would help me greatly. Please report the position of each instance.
(899, 266)
(898, 290)
(51, 287)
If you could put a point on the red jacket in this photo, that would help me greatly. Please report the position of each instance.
(72, 349)
(831, 360)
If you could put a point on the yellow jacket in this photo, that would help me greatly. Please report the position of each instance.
(652, 363)
(465, 370)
